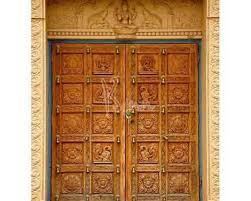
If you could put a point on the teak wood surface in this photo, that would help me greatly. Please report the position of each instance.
(125, 122)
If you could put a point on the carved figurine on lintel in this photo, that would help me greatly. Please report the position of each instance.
(125, 17)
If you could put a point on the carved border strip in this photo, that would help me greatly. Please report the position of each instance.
(38, 174)
(62, 34)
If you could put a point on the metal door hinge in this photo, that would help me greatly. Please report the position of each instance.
(58, 79)
(58, 168)
(57, 49)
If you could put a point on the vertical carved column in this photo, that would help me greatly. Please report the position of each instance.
(212, 66)
(38, 82)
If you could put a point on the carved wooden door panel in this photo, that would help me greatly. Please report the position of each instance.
(125, 123)
(88, 122)
(162, 113)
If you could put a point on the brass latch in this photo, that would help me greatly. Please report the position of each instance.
(130, 112)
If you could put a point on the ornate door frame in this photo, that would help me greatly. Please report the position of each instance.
(210, 99)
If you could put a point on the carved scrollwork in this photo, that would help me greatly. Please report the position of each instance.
(102, 123)
(148, 183)
(148, 123)
(102, 152)
(71, 183)
(102, 183)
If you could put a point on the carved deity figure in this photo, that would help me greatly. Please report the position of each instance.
(124, 16)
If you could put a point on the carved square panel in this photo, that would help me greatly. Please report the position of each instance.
(72, 153)
(148, 94)
(102, 93)
(72, 123)
(148, 182)
(73, 64)
(178, 152)
(103, 64)
(178, 183)
(148, 123)
(72, 94)
(71, 183)
(102, 123)
(178, 93)
(102, 183)
(178, 123)
(148, 64)
(102, 152)
(178, 64)
(148, 152)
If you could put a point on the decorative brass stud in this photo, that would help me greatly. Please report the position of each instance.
(58, 79)
(163, 79)
(118, 140)
(133, 140)
(58, 49)
(133, 79)
(87, 169)
(57, 109)
(87, 198)
(163, 109)
(117, 169)
(86, 138)
(58, 168)
(88, 50)
(133, 51)
(117, 50)
(117, 198)
(88, 109)
(58, 139)
(163, 51)
(163, 169)
(57, 198)
(133, 170)
(88, 79)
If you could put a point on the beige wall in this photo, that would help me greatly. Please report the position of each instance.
(185, 19)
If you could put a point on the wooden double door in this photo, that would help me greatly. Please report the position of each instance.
(125, 122)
